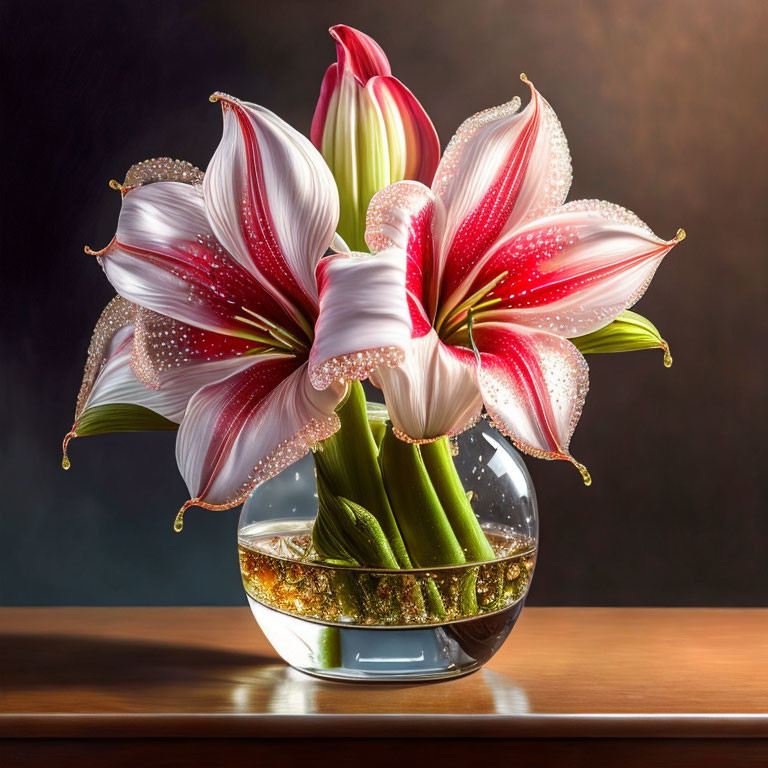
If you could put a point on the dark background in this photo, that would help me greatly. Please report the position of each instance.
(664, 105)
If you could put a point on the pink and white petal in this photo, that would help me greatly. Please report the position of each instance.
(403, 216)
(117, 384)
(165, 257)
(414, 147)
(327, 88)
(113, 330)
(243, 430)
(130, 344)
(533, 386)
(364, 322)
(272, 201)
(359, 53)
(107, 380)
(163, 347)
(574, 271)
(501, 168)
(161, 169)
(433, 393)
(110, 381)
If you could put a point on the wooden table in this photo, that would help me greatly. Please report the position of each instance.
(572, 686)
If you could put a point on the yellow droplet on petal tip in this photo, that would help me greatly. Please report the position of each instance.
(115, 184)
(585, 476)
(680, 235)
(65, 462)
(178, 523)
(667, 354)
(213, 98)
(524, 78)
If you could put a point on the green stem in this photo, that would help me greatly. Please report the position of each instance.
(348, 533)
(348, 462)
(378, 430)
(428, 535)
(448, 486)
(329, 648)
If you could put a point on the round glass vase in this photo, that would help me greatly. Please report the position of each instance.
(355, 623)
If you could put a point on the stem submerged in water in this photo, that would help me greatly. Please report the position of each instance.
(385, 503)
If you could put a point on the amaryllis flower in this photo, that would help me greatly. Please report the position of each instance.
(370, 129)
(231, 318)
(500, 275)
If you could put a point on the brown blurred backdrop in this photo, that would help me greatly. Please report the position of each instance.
(664, 106)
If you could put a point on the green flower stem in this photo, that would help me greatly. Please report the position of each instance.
(348, 533)
(435, 600)
(329, 648)
(348, 462)
(378, 430)
(447, 484)
(420, 516)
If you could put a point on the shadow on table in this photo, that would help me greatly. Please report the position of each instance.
(105, 673)
(29, 661)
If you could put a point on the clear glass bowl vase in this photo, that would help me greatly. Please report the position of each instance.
(357, 623)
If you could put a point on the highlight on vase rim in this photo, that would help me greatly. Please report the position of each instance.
(252, 299)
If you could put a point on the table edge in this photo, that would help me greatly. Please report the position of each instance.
(391, 726)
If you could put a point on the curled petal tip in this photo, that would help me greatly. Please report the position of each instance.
(65, 462)
(116, 185)
(525, 79)
(178, 523)
(224, 98)
(679, 236)
(585, 476)
(667, 354)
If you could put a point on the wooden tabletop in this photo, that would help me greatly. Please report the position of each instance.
(564, 672)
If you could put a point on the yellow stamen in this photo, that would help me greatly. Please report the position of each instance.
(450, 317)
(262, 339)
(274, 330)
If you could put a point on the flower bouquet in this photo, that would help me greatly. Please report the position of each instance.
(253, 299)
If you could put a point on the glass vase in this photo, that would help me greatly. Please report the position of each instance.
(356, 623)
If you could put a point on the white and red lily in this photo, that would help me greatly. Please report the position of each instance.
(241, 330)
(500, 274)
(370, 128)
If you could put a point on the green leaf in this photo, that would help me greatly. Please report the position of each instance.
(120, 417)
(627, 333)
